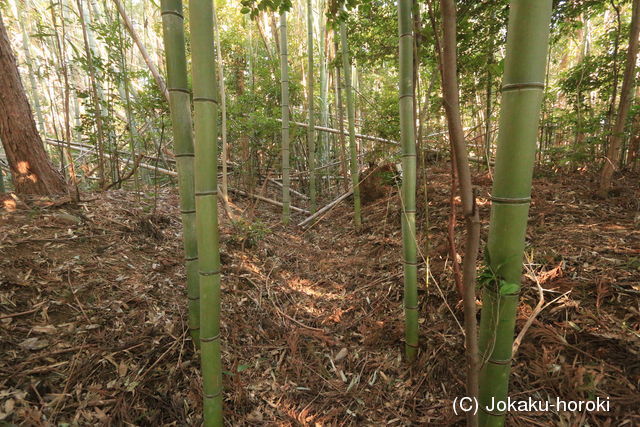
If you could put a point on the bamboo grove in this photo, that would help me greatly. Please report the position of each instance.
(251, 93)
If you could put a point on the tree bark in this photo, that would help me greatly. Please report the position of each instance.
(615, 142)
(469, 207)
(31, 169)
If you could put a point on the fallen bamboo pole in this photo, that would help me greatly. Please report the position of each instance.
(291, 190)
(326, 208)
(82, 149)
(384, 140)
(266, 199)
(336, 131)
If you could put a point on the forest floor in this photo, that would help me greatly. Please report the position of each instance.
(93, 323)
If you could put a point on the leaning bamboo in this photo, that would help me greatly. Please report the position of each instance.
(143, 51)
(180, 107)
(522, 91)
(408, 139)
(205, 100)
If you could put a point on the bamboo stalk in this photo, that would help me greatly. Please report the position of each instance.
(205, 100)
(522, 93)
(408, 199)
(351, 116)
(284, 82)
(340, 112)
(180, 108)
(311, 135)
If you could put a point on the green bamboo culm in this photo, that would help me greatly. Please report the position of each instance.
(205, 101)
(351, 118)
(408, 142)
(284, 83)
(522, 92)
(311, 134)
(180, 106)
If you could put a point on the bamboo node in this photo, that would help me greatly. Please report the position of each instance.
(499, 362)
(177, 89)
(209, 273)
(204, 99)
(172, 12)
(511, 200)
(516, 86)
(213, 338)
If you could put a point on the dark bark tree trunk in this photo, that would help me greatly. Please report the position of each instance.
(615, 141)
(31, 169)
(448, 66)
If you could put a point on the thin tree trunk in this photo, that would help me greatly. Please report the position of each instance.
(351, 116)
(32, 171)
(35, 92)
(124, 91)
(324, 87)
(340, 111)
(469, 207)
(487, 114)
(615, 141)
(223, 108)
(94, 91)
(62, 43)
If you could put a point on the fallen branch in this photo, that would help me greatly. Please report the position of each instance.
(265, 199)
(325, 209)
(22, 313)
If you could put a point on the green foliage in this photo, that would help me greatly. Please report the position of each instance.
(248, 233)
(253, 8)
(492, 281)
